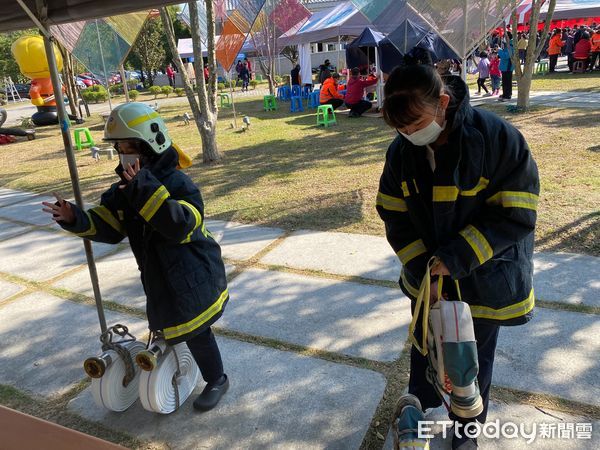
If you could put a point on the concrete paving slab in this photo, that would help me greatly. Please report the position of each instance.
(9, 289)
(563, 431)
(349, 318)
(10, 196)
(41, 255)
(277, 400)
(567, 278)
(29, 210)
(119, 280)
(9, 229)
(47, 339)
(556, 353)
(339, 253)
(240, 241)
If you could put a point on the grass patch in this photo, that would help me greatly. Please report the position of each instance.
(288, 173)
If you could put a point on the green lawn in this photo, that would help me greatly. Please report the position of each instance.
(286, 172)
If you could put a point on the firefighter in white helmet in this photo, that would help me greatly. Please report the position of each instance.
(160, 210)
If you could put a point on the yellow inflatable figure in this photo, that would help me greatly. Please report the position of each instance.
(30, 54)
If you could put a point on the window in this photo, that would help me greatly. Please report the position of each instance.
(331, 47)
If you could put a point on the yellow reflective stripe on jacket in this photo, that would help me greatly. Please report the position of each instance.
(515, 199)
(198, 218)
(411, 251)
(478, 243)
(409, 287)
(391, 203)
(198, 321)
(105, 214)
(405, 190)
(142, 119)
(451, 193)
(91, 230)
(506, 313)
(154, 202)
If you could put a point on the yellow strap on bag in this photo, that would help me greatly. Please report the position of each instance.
(422, 303)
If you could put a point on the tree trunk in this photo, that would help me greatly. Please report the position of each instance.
(187, 85)
(205, 122)
(206, 94)
(524, 75)
(524, 84)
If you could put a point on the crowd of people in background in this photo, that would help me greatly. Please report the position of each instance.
(581, 46)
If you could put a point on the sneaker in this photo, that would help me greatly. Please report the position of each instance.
(211, 394)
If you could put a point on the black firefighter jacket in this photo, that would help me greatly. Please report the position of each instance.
(476, 211)
(162, 213)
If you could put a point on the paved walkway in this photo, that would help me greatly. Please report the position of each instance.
(556, 99)
(313, 327)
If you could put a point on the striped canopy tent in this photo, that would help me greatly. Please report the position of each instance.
(462, 24)
(101, 45)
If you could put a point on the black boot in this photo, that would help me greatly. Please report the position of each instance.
(211, 394)
(464, 443)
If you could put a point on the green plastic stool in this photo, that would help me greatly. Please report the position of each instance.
(87, 142)
(542, 68)
(270, 103)
(325, 115)
(225, 101)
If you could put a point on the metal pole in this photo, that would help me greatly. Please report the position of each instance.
(124, 82)
(338, 51)
(465, 31)
(103, 66)
(122, 72)
(232, 102)
(63, 120)
(378, 71)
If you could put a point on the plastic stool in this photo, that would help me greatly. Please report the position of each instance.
(325, 115)
(342, 92)
(313, 99)
(542, 68)
(283, 93)
(306, 91)
(296, 105)
(296, 90)
(225, 101)
(87, 142)
(270, 103)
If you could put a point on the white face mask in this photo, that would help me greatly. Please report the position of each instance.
(128, 159)
(427, 135)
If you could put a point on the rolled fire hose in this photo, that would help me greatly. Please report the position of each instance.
(171, 380)
(108, 391)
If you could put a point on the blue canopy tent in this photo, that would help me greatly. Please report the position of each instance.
(357, 51)
(413, 39)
